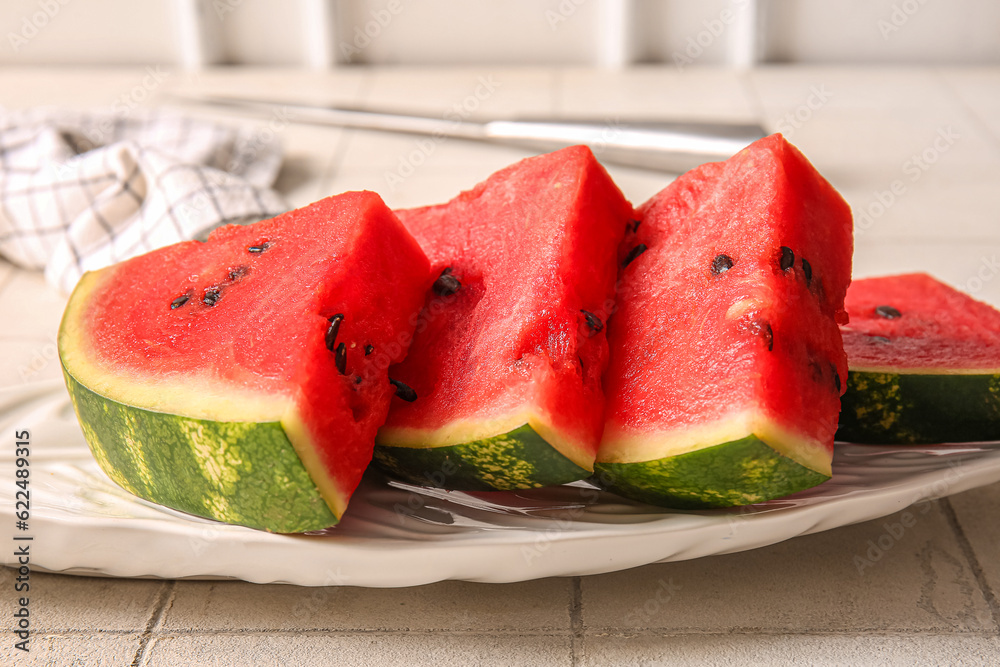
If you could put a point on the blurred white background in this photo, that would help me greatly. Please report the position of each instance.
(610, 33)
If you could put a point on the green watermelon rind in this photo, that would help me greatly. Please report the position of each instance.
(730, 474)
(517, 459)
(245, 473)
(884, 408)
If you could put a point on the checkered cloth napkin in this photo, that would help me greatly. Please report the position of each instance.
(81, 191)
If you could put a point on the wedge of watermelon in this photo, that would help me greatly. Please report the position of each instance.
(243, 379)
(924, 364)
(505, 370)
(726, 360)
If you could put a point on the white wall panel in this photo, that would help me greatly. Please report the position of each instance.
(86, 32)
(684, 32)
(544, 32)
(469, 31)
(888, 31)
(258, 32)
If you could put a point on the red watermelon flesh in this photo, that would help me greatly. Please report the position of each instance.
(236, 329)
(726, 360)
(914, 323)
(521, 343)
(924, 364)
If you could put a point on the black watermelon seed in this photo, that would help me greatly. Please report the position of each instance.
(212, 296)
(593, 321)
(340, 358)
(888, 312)
(761, 329)
(633, 226)
(259, 248)
(404, 391)
(768, 335)
(635, 252)
(446, 284)
(721, 264)
(238, 272)
(807, 269)
(357, 379)
(836, 377)
(331, 331)
(369, 349)
(882, 340)
(787, 258)
(180, 301)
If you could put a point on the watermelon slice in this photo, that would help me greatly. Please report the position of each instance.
(243, 379)
(924, 364)
(726, 359)
(505, 369)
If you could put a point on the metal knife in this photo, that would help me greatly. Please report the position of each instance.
(665, 146)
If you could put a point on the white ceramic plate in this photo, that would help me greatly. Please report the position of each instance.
(401, 535)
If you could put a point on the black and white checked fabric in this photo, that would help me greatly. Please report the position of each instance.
(80, 191)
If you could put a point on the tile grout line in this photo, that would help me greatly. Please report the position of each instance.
(576, 648)
(970, 555)
(936, 241)
(44, 338)
(8, 279)
(347, 135)
(336, 163)
(752, 632)
(164, 602)
(753, 97)
(557, 92)
(609, 631)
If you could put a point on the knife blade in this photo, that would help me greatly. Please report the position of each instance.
(672, 146)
